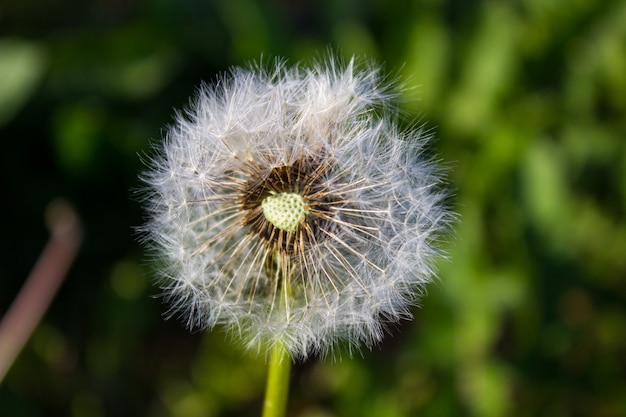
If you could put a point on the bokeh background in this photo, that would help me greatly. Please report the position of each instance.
(527, 100)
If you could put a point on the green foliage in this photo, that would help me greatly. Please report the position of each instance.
(527, 100)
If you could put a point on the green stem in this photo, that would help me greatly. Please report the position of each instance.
(275, 404)
(277, 388)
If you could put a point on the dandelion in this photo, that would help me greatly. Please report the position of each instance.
(290, 208)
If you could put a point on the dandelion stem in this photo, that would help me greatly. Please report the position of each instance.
(277, 389)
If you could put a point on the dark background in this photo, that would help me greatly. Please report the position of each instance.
(527, 100)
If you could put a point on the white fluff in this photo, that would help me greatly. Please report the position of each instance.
(382, 213)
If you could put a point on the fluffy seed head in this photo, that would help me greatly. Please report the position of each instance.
(287, 205)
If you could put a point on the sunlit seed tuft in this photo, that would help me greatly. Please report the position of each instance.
(295, 178)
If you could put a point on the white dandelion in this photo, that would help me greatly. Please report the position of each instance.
(288, 207)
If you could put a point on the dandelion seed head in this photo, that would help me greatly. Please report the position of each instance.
(294, 178)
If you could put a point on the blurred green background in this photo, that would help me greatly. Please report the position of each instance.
(527, 99)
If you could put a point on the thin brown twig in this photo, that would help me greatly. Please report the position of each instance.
(42, 284)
